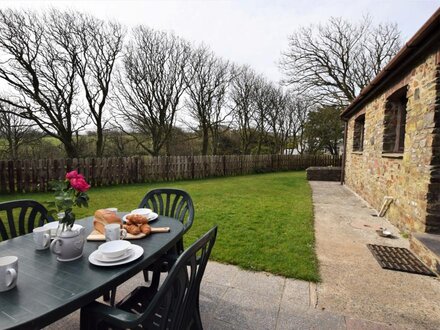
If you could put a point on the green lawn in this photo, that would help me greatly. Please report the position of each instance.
(265, 221)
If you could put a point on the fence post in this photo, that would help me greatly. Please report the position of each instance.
(11, 176)
(192, 166)
(18, 176)
(27, 175)
(224, 165)
(3, 176)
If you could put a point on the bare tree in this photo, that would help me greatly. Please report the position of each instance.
(334, 61)
(15, 130)
(119, 142)
(297, 110)
(221, 117)
(97, 45)
(242, 96)
(207, 79)
(262, 103)
(277, 118)
(151, 84)
(37, 67)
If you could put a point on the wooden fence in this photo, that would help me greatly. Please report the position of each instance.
(34, 175)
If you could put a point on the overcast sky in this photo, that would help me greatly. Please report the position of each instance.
(245, 31)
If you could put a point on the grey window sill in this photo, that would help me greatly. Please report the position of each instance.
(357, 152)
(392, 155)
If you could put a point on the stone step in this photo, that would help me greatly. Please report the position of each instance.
(427, 248)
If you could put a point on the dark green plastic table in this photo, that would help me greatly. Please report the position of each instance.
(48, 290)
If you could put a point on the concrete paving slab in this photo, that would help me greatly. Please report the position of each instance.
(247, 310)
(261, 283)
(211, 297)
(220, 273)
(215, 324)
(297, 293)
(358, 324)
(308, 319)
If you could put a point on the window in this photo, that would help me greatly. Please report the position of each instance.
(394, 122)
(358, 134)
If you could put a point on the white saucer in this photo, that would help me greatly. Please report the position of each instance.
(151, 217)
(103, 258)
(136, 252)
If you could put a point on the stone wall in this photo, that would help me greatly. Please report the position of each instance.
(406, 176)
(433, 198)
(323, 173)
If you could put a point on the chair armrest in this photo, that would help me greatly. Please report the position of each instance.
(112, 315)
(170, 258)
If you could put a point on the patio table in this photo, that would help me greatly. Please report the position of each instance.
(48, 290)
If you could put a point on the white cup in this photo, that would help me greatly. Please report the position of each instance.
(114, 232)
(42, 237)
(8, 272)
(112, 209)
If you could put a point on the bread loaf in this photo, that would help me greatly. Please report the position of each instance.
(105, 217)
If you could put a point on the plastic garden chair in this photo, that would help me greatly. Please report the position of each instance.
(170, 202)
(174, 203)
(20, 217)
(175, 305)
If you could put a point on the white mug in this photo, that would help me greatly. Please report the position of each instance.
(114, 232)
(41, 238)
(8, 272)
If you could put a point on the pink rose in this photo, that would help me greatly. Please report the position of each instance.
(72, 175)
(79, 184)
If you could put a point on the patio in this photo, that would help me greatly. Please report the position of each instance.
(355, 293)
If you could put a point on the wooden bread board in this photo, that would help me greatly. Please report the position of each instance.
(97, 236)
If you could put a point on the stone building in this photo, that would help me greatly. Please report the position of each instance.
(392, 135)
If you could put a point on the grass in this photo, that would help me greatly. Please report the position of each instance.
(265, 221)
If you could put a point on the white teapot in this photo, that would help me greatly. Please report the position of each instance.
(69, 244)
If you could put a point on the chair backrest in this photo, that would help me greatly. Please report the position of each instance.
(171, 202)
(177, 297)
(21, 217)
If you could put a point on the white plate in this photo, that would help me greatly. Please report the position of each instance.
(54, 225)
(103, 258)
(143, 211)
(137, 251)
(151, 217)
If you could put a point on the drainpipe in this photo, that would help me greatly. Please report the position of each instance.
(345, 151)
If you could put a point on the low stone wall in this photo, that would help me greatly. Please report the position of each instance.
(324, 173)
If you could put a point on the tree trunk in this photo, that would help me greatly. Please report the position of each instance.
(259, 145)
(71, 150)
(205, 141)
(12, 150)
(99, 141)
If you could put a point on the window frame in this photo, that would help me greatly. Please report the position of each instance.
(395, 123)
(358, 140)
